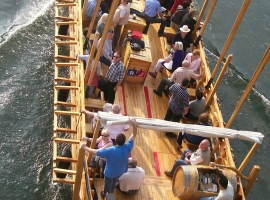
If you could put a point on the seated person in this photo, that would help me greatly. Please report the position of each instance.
(131, 181)
(177, 57)
(107, 52)
(194, 139)
(176, 77)
(96, 76)
(226, 190)
(195, 60)
(200, 157)
(101, 24)
(152, 8)
(196, 107)
(104, 141)
(89, 11)
(177, 16)
(184, 36)
(189, 20)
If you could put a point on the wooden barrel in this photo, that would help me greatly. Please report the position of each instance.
(185, 182)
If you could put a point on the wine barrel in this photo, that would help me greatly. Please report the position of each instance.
(185, 182)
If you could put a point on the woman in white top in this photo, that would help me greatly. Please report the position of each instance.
(194, 60)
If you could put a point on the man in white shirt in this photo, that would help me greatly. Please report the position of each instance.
(200, 157)
(131, 181)
(226, 191)
(116, 129)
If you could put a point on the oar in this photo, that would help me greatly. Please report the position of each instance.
(211, 9)
(229, 40)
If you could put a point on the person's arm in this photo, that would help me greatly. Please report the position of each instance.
(122, 15)
(92, 151)
(194, 160)
(87, 112)
(134, 125)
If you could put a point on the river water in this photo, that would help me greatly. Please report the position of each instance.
(26, 92)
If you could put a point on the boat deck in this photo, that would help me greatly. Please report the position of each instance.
(154, 151)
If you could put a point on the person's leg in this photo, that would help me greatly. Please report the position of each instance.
(184, 154)
(168, 115)
(163, 83)
(111, 95)
(116, 36)
(159, 65)
(208, 198)
(177, 164)
(105, 61)
(114, 183)
(180, 138)
(108, 185)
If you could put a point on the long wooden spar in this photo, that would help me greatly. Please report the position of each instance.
(211, 9)
(243, 98)
(229, 40)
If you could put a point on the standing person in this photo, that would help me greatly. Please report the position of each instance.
(178, 103)
(116, 158)
(114, 77)
(120, 19)
(107, 52)
(131, 181)
(177, 17)
(151, 10)
(175, 5)
(184, 36)
(226, 191)
(116, 129)
(200, 157)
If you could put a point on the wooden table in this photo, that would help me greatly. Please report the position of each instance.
(137, 63)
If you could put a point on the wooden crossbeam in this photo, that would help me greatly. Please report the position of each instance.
(66, 42)
(66, 64)
(60, 112)
(65, 37)
(63, 87)
(64, 180)
(64, 140)
(68, 104)
(66, 4)
(64, 18)
(58, 79)
(65, 159)
(66, 130)
(64, 58)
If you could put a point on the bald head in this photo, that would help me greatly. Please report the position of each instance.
(116, 108)
(204, 145)
(186, 64)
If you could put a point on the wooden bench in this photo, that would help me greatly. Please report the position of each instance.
(170, 32)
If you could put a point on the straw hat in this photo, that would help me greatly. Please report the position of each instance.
(185, 29)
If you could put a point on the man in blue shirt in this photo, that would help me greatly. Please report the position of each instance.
(152, 8)
(116, 158)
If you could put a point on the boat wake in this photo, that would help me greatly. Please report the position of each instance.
(23, 20)
(233, 71)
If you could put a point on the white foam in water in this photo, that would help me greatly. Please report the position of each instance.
(24, 19)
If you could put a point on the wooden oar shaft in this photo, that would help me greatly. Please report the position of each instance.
(250, 85)
(231, 35)
(213, 91)
(235, 170)
(200, 17)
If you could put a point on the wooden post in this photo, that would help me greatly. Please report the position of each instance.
(213, 91)
(104, 35)
(231, 35)
(248, 157)
(250, 85)
(252, 178)
(78, 177)
(211, 9)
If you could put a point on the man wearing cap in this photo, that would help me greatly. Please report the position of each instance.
(184, 36)
(107, 52)
(114, 77)
(121, 17)
(151, 10)
(131, 181)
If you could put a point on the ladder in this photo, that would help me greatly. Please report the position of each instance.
(69, 124)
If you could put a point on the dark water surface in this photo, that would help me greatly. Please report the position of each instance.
(26, 92)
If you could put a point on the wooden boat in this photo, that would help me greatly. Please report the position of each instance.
(154, 151)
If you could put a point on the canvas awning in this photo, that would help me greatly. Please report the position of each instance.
(167, 126)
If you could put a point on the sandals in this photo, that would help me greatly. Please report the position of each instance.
(152, 74)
